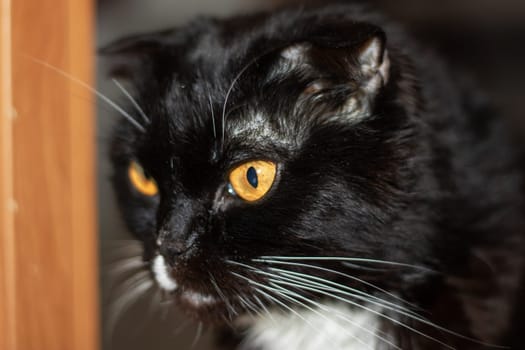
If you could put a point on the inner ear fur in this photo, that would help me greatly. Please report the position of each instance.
(354, 53)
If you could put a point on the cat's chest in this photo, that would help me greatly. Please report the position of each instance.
(334, 327)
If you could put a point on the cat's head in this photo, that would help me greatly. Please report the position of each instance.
(270, 157)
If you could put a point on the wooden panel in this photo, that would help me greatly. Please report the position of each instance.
(53, 297)
(7, 291)
(82, 127)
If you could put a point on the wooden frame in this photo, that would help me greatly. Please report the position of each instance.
(48, 260)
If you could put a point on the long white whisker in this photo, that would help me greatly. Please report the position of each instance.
(133, 289)
(133, 101)
(315, 290)
(409, 315)
(198, 335)
(309, 285)
(248, 307)
(229, 307)
(289, 263)
(283, 292)
(259, 301)
(335, 258)
(295, 285)
(103, 97)
(230, 89)
(338, 314)
(293, 276)
(355, 292)
(232, 85)
(212, 117)
(128, 264)
(270, 297)
(279, 290)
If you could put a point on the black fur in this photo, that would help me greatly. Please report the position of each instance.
(428, 177)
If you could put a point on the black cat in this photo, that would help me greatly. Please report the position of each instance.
(310, 179)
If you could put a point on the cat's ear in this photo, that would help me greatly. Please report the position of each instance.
(356, 52)
(346, 69)
(374, 62)
(128, 56)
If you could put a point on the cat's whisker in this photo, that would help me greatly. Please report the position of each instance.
(247, 303)
(408, 315)
(181, 327)
(338, 314)
(325, 290)
(198, 335)
(279, 290)
(228, 320)
(121, 252)
(339, 273)
(86, 86)
(268, 296)
(279, 276)
(164, 304)
(232, 85)
(283, 292)
(350, 302)
(228, 92)
(264, 308)
(126, 264)
(125, 247)
(310, 284)
(229, 306)
(355, 292)
(129, 293)
(212, 116)
(233, 109)
(403, 312)
(351, 260)
(133, 101)
(150, 298)
(155, 303)
(247, 307)
(380, 314)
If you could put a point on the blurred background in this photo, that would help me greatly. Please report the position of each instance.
(485, 38)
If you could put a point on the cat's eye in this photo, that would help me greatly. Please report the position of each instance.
(252, 180)
(143, 183)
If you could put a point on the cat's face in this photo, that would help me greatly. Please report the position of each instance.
(274, 157)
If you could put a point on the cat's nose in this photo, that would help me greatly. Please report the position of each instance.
(171, 252)
(173, 249)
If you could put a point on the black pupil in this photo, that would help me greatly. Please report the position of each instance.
(251, 175)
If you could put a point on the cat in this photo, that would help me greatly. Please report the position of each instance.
(313, 178)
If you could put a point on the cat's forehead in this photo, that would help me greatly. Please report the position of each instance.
(252, 86)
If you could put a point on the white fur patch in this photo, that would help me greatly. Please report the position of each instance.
(198, 299)
(295, 53)
(333, 327)
(256, 124)
(160, 271)
(256, 127)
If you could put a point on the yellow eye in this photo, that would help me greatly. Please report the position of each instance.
(252, 180)
(142, 183)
